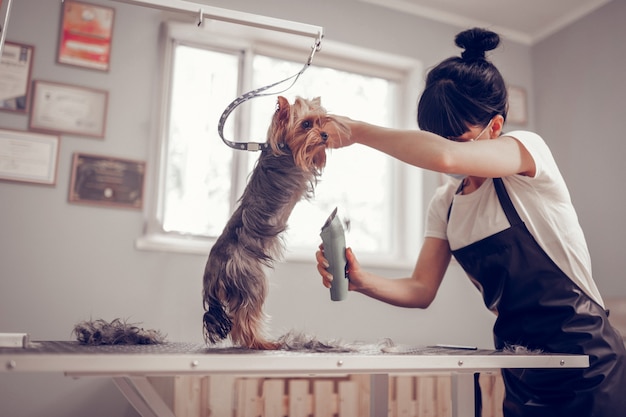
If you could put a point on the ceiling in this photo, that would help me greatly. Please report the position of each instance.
(524, 21)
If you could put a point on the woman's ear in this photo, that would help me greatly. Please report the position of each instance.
(496, 126)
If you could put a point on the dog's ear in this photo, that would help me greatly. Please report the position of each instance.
(282, 109)
(317, 101)
(280, 122)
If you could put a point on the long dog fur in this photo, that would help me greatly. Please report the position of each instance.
(235, 285)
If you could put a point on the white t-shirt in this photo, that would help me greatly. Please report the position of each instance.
(543, 203)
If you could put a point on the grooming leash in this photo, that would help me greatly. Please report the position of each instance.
(259, 146)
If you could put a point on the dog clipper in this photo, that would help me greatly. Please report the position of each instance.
(334, 241)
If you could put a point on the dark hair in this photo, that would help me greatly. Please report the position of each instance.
(463, 91)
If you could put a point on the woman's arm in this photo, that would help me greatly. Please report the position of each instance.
(482, 158)
(417, 291)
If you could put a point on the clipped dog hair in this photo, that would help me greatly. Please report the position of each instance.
(116, 332)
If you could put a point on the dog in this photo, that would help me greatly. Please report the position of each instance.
(234, 283)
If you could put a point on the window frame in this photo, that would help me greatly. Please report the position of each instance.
(406, 72)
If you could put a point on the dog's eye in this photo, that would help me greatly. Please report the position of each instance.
(306, 125)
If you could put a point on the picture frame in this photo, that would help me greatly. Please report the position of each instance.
(5, 8)
(29, 157)
(518, 106)
(107, 181)
(65, 108)
(85, 35)
(16, 65)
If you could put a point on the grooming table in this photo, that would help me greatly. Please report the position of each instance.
(129, 366)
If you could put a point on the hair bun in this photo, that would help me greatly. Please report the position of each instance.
(476, 42)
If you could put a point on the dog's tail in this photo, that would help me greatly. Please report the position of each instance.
(217, 324)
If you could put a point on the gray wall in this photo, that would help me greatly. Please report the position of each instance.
(579, 100)
(62, 263)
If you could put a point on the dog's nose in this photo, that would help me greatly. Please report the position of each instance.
(324, 136)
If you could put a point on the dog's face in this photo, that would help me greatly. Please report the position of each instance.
(307, 130)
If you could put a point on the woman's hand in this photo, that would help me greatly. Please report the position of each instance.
(341, 128)
(415, 291)
(355, 273)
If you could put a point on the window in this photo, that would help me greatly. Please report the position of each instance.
(200, 178)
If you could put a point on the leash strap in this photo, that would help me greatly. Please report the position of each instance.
(259, 146)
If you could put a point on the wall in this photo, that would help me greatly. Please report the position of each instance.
(579, 99)
(62, 263)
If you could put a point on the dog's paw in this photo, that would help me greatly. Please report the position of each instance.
(216, 326)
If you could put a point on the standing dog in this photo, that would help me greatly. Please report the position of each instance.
(235, 285)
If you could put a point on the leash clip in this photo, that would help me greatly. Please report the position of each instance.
(316, 47)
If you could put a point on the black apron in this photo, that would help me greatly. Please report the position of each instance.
(540, 308)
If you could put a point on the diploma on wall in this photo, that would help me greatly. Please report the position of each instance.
(518, 106)
(68, 109)
(15, 69)
(85, 38)
(28, 157)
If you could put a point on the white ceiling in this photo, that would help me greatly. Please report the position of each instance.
(524, 21)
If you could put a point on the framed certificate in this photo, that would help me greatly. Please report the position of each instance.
(28, 157)
(16, 65)
(518, 107)
(63, 108)
(5, 7)
(108, 181)
(85, 38)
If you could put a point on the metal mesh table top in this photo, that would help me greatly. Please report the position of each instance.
(183, 348)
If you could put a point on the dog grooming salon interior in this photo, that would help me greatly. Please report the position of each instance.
(115, 183)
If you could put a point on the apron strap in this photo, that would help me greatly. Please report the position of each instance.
(506, 203)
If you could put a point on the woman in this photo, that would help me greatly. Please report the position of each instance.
(509, 221)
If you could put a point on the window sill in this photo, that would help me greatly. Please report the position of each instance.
(174, 244)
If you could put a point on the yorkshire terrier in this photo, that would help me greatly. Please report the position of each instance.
(235, 284)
